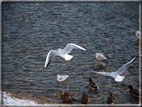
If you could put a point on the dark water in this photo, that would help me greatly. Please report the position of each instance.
(30, 30)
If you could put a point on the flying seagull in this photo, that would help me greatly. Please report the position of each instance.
(116, 74)
(62, 52)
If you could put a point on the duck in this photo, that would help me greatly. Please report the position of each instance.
(67, 96)
(85, 99)
(133, 93)
(93, 86)
(111, 99)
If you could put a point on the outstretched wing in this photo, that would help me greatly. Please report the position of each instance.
(50, 56)
(125, 66)
(71, 46)
(106, 73)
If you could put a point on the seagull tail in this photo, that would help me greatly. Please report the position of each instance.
(119, 78)
(68, 57)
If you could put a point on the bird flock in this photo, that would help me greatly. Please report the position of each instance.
(85, 99)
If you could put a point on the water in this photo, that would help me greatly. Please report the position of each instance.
(30, 30)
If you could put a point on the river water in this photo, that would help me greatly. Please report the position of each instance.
(31, 30)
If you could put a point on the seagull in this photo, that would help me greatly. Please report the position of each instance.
(138, 34)
(61, 77)
(116, 74)
(62, 52)
(100, 57)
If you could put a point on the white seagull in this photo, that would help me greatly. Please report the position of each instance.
(61, 77)
(116, 74)
(100, 57)
(138, 34)
(62, 52)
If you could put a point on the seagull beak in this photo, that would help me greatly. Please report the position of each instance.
(127, 87)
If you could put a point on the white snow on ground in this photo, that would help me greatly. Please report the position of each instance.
(7, 99)
(12, 101)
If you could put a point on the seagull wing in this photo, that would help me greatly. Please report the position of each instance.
(50, 56)
(71, 46)
(107, 73)
(101, 56)
(124, 67)
(62, 78)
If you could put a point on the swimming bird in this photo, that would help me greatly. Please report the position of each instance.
(67, 96)
(61, 77)
(116, 74)
(100, 57)
(85, 99)
(138, 34)
(133, 93)
(62, 52)
(93, 86)
(111, 99)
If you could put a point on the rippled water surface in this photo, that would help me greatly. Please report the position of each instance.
(31, 30)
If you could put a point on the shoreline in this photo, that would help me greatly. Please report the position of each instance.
(8, 100)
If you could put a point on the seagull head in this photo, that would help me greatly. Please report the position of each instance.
(96, 54)
(58, 76)
(137, 33)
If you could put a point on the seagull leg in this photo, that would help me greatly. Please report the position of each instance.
(99, 61)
